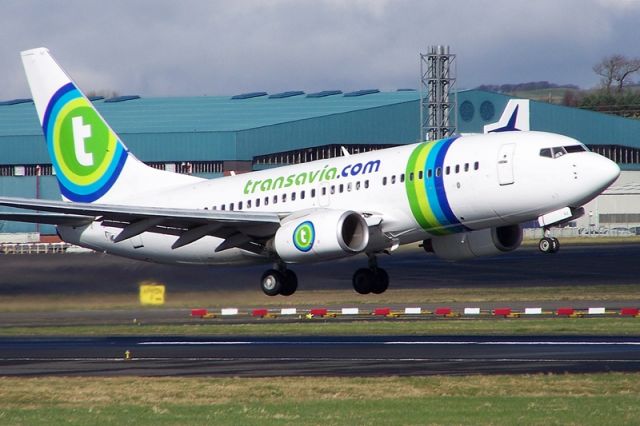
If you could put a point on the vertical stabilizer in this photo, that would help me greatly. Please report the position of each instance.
(90, 161)
(514, 117)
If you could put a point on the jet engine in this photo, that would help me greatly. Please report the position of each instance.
(484, 242)
(321, 234)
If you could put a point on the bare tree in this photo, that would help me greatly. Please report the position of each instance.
(616, 69)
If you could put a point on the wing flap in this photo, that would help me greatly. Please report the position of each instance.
(47, 218)
(235, 227)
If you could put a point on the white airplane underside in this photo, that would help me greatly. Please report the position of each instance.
(462, 196)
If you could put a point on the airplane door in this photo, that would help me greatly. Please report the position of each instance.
(505, 164)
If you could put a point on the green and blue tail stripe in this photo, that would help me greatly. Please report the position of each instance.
(105, 153)
(427, 196)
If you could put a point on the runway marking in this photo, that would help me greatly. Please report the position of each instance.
(314, 359)
(419, 342)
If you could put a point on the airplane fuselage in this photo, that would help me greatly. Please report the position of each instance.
(418, 191)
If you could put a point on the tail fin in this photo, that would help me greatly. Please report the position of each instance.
(90, 161)
(514, 117)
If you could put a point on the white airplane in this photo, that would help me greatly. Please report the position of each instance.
(462, 197)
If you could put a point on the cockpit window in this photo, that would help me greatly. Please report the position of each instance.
(559, 151)
(575, 148)
(545, 152)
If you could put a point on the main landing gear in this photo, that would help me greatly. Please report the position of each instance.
(284, 282)
(372, 279)
(548, 244)
(280, 280)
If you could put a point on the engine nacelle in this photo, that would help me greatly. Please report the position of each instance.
(321, 234)
(484, 242)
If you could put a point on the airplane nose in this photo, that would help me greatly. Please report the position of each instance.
(606, 171)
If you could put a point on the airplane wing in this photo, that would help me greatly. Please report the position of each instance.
(247, 230)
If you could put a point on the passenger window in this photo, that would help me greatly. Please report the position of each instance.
(366, 184)
(411, 176)
(240, 205)
(333, 189)
(266, 201)
(545, 152)
(457, 168)
(438, 172)
(284, 198)
(357, 185)
(402, 177)
(429, 174)
(447, 170)
(248, 204)
(324, 191)
(231, 206)
(466, 167)
(313, 193)
(302, 194)
(257, 202)
(275, 199)
(214, 208)
(349, 187)
(222, 207)
(420, 174)
(393, 179)
(384, 180)
(476, 165)
(341, 188)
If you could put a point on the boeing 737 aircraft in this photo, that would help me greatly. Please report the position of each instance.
(463, 196)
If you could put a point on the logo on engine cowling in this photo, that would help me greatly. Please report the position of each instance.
(304, 235)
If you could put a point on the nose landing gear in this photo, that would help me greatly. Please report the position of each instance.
(548, 244)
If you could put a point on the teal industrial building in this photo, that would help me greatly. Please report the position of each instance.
(211, 136)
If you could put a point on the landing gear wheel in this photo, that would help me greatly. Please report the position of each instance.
(272, 282)
(547, 245)
(381, 282)
(363, 280)
(290, 283)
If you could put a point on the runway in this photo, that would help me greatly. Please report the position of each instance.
(315, 356)
(58, 274)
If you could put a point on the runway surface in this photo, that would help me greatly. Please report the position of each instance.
(97, 273)
(312, 356)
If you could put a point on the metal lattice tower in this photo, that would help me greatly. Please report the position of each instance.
(437, 104)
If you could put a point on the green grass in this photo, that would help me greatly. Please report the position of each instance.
(317, 327)
(590, 399)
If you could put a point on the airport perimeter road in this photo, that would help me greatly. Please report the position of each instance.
(97, 273)
(311, 356)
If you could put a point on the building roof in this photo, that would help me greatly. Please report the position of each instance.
(207, 113)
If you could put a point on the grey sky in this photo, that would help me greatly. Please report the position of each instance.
(189, 47)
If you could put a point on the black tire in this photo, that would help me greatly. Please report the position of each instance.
(272, 282)
(290, 283)
(381, 282)
(545, 245)
(363, 280)
(555, 245)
